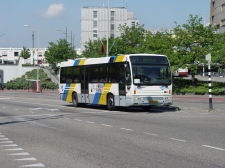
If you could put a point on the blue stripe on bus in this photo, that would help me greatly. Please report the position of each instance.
(97, 97)
(114, 58)
(76, 63)
(65, 92)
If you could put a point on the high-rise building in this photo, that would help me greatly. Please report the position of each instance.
(103, 22)
(217, 14)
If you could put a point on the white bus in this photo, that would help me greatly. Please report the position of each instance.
(117, 81)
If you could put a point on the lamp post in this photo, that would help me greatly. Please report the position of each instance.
(71, 37)
(2, 35)
(37, 55)
(63, 32)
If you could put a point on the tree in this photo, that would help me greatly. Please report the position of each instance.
(59, 52)
(218, 50)
(25, 53)
(131, 39)
(192, 41)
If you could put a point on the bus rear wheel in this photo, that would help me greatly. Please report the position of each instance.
(146, 108)
(75, 100)
(111, 103)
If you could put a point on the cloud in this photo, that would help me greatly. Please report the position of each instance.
(55, 10)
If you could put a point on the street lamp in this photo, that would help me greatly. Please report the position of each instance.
(63, 32)
(71, 37)
(2, 35)
(37, 54)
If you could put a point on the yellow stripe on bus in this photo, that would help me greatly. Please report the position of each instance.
(82, 62)
(70, 91)
(119, 58)
(106, 89)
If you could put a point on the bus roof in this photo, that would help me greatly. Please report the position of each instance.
(101, 60)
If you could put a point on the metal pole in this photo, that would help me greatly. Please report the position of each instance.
(33, 50)
(210, 87)
(38, 64)
(66, 33)
(107, 32)
(71, 39)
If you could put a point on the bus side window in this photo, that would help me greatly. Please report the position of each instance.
(94, 74)
(112, 73)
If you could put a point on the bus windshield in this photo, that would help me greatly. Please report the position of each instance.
(150, 70)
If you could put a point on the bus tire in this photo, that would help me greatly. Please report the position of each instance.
(75, 100)
(111, 103)
(146, 108)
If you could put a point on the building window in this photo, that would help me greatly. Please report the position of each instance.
(95, 14)
(222, 7)
(95, 35)
(16, 54)
(112, 35)
(112, 27)
(95, 24)
(223, 22)
(4, 53)
(112, 14)
(39, 54)
(133, 24)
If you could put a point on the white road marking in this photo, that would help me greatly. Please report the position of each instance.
(10, 145)
(107, 125)
(2, 136)
(26, 159)
(16, 109)
(16, 149)
(19, 154)
(213, 147)
(89, 122)
(6, 142)
(3, 107)
(126, 129)
(1, 139)
(180, 140)
(150, 134)
(2, 98)
(2, 117)
(78, 120)
(34, 165)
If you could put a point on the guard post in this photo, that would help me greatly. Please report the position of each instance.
(208, 58)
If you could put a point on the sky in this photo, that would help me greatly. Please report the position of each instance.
(47, 16)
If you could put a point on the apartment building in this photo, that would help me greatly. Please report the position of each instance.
(103, 22)
(11, 56)
(217, 14)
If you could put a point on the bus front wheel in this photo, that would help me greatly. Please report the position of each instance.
(75, 100)
(111, 103)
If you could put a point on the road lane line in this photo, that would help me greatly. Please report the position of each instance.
(180, 140)
(150, 134)
(26, 159)
(10, 145)
(19, 154)
(16, 149)
(126, 129)
(213, 147)
(78, 120)
(1, 139)
(34, 165)
(107, 125)
(90, 122)
(2, 136)
(6, 142)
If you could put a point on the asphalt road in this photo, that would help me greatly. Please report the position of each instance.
(39, 130)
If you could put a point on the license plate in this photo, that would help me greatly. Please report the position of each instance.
(154, 101)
